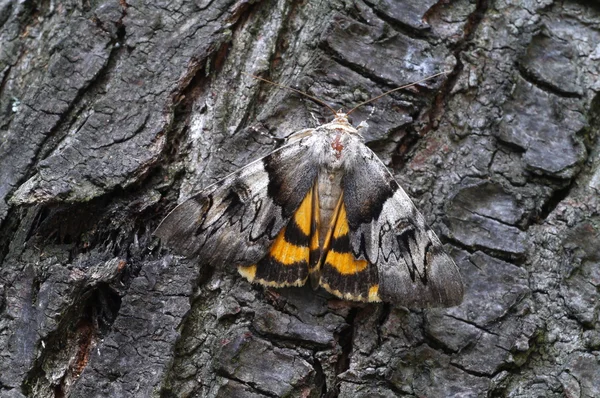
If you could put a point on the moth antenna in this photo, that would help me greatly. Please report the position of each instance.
(396, 89)
(294, 90)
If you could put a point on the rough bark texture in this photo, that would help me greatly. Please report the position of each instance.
(112, 112)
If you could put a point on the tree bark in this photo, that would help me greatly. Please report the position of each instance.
(112, 112)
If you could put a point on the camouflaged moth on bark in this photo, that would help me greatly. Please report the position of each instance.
(322, 207)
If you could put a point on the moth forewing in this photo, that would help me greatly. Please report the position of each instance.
(237, 219)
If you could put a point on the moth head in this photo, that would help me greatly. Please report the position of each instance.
(341, 118)
(341, 122)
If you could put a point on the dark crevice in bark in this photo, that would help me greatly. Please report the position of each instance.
(192, 87)
(196, 84)
(8, 229)
(590, 134)
(68, 224)
(521, 359)
(242, 13)
(531, 77)
(422, 96)
(104, 306)
(400, 27)
(473, 22)
(252, 386)
(121, 29)
(561, 189)
(217, 60)
(42, 214)
(281, 42)
(402, 153)
(438, 345)
(205, 273)
(184, 99)
(385, 310)
(476, 325)
(437, 108)
(2, 86)
(405, 138)
(172, 379)
(320, 377)
(89, 238)
(498, 391)
(473, 372)
(168, 394)
(31, 11)
(511, 257)
(89, 318)
(553, 201)
(346, 341)
(35, 289)
(509, 147)
(411, 134)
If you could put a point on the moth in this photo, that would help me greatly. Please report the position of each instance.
(322, 207)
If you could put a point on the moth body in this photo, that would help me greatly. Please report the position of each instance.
(336, 141)
(329, 193)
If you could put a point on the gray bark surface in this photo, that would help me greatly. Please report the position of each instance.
(113, 112)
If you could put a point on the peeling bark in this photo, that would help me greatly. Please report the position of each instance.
(112, 112)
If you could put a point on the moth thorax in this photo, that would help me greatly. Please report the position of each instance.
(330, 191)
(337, 145)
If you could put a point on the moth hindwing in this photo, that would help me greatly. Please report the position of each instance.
(324, 208)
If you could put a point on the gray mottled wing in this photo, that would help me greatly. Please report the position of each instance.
(387, 230)
(234, 221)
